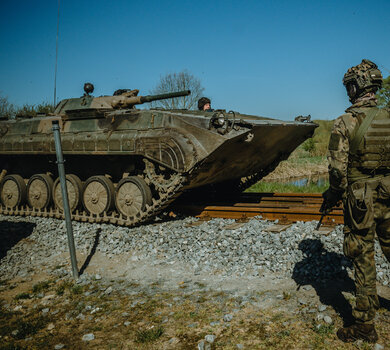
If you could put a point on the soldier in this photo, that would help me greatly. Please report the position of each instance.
(204, 104)
(359, 174)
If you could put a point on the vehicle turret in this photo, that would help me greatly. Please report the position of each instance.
(122, 99)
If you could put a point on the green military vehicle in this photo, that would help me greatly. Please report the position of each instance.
(125, 165)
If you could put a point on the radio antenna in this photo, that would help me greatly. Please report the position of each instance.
(55, 70)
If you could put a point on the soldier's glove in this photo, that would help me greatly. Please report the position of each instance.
(331, 197)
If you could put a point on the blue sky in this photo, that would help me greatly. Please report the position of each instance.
(273, 58)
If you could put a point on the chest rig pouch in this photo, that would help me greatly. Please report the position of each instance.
(370, 146)
(384, 189)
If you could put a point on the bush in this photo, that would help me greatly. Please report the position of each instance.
(309, 145)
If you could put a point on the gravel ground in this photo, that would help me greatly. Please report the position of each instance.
(299, 252)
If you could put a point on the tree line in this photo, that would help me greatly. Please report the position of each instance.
(9, 111)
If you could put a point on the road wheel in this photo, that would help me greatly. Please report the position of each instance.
(74, 187)
(13, 191)
(132, 195)
(98, 195)
(39, 191)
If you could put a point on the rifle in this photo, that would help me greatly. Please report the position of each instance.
(326, 207)
(323, 213)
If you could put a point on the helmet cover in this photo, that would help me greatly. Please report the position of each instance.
(361, 79)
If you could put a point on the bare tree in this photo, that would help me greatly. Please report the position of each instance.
(7, 110)
(177, 82)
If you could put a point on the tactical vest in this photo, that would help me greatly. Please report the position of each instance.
(370, 144)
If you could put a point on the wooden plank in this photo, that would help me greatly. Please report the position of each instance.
(277, 228)
(234, 226)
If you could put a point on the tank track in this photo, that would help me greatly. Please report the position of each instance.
(157, 206)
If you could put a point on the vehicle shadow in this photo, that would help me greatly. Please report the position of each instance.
(13, 232)
(316, 267)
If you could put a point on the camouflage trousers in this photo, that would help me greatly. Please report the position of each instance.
(359, 247)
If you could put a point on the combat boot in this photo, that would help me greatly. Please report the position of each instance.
(357, 331)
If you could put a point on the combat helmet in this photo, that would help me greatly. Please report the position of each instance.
(361, 79)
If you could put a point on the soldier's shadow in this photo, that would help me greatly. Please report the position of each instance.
(13, 232)
(315, 270)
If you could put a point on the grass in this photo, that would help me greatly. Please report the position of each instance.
(188, 321)
(287, 188)
(324, 329)
(77, 289)
(24, 295)
(29, 327)
(10, 346)
(41, 286)
(149, 335)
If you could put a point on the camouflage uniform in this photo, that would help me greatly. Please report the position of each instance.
(363, 178)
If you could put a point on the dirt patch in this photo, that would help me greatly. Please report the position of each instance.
(299, 167)
(133, 305)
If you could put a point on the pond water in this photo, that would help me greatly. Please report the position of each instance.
(321, 180)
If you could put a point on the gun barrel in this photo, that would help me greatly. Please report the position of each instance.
(151, 98)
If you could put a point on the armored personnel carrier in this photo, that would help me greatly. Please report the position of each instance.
(124, 165)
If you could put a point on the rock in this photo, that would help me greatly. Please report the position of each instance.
(45, 311)
(88, 337)
(378, 347)
(213, 324)
(127, 323)
(108, 290)
(58, 346)
(240, 346)
(210, 338)
(50, 326)
(321, 308)
(95, 310)
(227, 317)
(202, 345)
(358, 343)
(328, 319)
(174, 340)
(300, 252)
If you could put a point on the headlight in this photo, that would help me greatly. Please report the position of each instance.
(220, 121)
